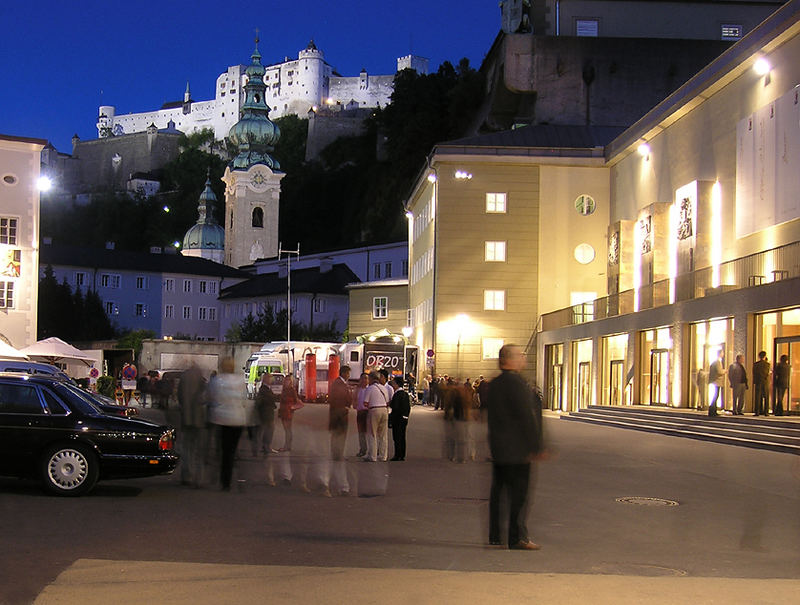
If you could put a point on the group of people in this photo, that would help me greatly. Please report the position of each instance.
(738, 382)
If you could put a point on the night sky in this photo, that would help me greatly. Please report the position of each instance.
(64, 58)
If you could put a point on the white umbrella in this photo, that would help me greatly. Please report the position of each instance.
(55, 350)
(9, 352)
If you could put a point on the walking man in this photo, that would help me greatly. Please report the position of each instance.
(515, 439)
(716, 378)
(193, 436)
(761, 385)
(737, 376)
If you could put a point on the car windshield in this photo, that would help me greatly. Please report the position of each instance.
(78, 399)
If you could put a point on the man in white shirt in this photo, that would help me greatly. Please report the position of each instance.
(377, 399)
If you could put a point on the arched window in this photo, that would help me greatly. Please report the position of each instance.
(258, 217)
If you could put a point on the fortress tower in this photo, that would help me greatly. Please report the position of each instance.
(253, 178)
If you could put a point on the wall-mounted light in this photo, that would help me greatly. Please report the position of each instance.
(463, 175)
(408, 331)
(166, 209)
(762, 66)
(176, 244)
(644, 150)
(432, 178)
(44, 183)
(409, 214)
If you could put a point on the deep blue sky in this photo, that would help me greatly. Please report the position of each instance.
(63, 58)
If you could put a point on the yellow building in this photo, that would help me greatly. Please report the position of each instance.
(19, 238)
(631, 262)
(378, 305)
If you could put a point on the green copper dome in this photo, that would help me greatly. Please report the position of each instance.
(255, 135)
(206, 234)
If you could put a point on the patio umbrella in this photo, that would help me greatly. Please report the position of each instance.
(9, 352)
(55, 350)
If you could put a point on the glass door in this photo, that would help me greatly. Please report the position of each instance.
(584, 384)
(659, 377)
(790, 397)
(554, 384)
(617, 382)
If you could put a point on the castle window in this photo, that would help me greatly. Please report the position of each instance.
(258, 217)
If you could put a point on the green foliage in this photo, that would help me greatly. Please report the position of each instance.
(133, 340)
(71, 317)
(106, 385)
(265, 326)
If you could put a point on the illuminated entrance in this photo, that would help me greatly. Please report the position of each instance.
(582, 374)
(707, 340)
(616, 380)
(554, 376)
(778, 333)
(656, 346)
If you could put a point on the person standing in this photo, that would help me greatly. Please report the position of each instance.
(716, 378)
(265, 406)
(231, 410)
(376, 399)
(361, 414)
(339, 402)
(737, 377)
(398, 417)
(191, 398)
(783, 371)
(761, 385)
(515, 439)
(289, 403)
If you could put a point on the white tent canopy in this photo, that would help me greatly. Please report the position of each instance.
(55, 350)
(9, 352)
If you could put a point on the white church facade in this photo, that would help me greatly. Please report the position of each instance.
(294, 86)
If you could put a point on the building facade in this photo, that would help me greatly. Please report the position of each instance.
(19, 238)
(378, 305)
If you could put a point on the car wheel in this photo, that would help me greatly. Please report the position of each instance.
(69, 470)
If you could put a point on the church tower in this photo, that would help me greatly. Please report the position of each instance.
(253, 178)
(205, 239)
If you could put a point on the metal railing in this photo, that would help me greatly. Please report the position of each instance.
(750, 271)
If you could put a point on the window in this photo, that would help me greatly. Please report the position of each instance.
(140, 310)
(491, 348)
(111, 308)
(731, 31)
(319, 305)
(19, 399)
(109, 280)
(212, 314)
(380, 307)
(6, 294)
(187, 312)
(495, 252)
(8, 231)
(169, 285)
(585, 204)
(494, 300)
(212, 287)
(405, 268)
(169, 311)
(258, 217)
(495, 202)
(387, 270)
(80, 278)
(587, 28)
(202, 313)
(203, 286)
(187, 285)
(141, 282)
(376, 271)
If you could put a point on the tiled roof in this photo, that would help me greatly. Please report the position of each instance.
(124, 260)
(309, 280)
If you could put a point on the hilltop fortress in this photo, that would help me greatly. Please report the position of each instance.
(294, 86)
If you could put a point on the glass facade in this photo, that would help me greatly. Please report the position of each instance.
(617, 371)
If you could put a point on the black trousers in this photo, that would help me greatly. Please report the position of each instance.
(399, 437)
(513, 480)
(760, 398)
(229, 440)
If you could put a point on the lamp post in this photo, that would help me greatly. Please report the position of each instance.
(288, 288)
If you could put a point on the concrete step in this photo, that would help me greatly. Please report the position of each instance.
(770, 435)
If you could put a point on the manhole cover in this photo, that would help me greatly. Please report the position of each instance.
(644, 501)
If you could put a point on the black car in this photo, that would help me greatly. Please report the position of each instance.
(57, 432)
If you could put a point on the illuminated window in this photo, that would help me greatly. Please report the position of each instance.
(585, 204)
(494, 300)
(584, 253)
(8, 231)
(495, 202)
(380, 307)
(491, 347)
(587, 28)
(495, 252)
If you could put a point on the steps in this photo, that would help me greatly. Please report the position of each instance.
(744, 431)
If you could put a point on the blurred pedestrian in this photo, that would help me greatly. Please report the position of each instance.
(340, 399)
(361, 413)
(515, 438)
(289, 403)
(761, 385)
(193, 437)
(265, 406)
(716, 378)
(783, 371)
(398, 418)
(231, 410)
(737, 377)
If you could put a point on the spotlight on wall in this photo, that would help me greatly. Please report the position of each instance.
(644, 150)
(44, 183)
(409, 214)
(432, 178)
(762, 66)
(463, 175)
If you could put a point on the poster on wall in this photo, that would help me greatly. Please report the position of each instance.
(767, 156)
(12, 260)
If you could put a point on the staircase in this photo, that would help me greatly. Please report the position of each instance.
(780, 435)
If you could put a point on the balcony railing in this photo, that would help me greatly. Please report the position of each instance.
(746, 272)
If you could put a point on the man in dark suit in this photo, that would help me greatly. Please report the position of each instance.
(515, 440)
(398, 418)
